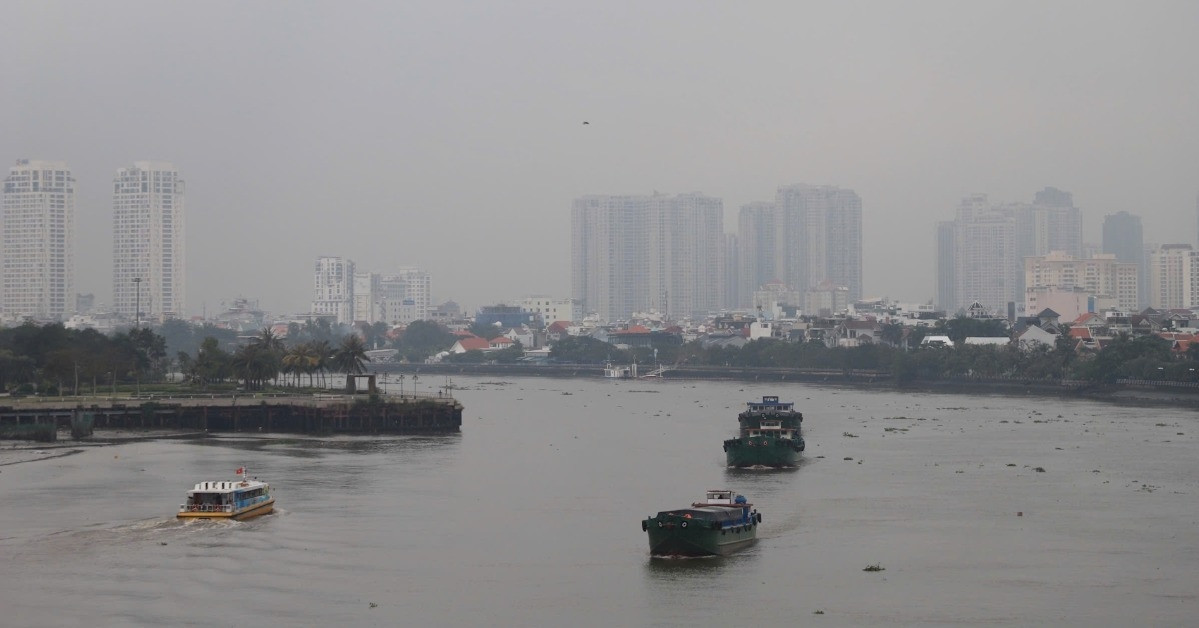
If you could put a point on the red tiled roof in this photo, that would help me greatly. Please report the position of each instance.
(1080, 332)
(474, 342)
(559, 326)
(501, 340)
(633, 329)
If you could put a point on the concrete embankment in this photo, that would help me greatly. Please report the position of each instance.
(312, 414)
(1141, 393)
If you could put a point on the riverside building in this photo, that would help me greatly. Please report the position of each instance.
(39, 240)
(149, 264)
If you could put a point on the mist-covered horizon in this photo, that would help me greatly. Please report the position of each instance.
(449, 136)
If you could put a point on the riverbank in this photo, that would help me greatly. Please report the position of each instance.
(1141, 393)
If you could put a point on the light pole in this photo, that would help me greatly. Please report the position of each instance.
(137, 313)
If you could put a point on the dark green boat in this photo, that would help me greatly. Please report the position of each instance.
(718, 526)
(769, 435)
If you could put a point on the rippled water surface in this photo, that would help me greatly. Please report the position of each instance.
(980, 511)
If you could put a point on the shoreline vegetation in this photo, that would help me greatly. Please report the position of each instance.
(1131, 391)
(49, 361)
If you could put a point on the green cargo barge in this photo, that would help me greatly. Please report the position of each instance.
(769, 435)
(718, 526)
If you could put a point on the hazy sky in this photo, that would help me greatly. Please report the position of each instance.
(449, 135)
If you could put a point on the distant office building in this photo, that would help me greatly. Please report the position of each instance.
(84, 303)
(984, 256)
(366, 297)
(819, 237)
(774, 298)
(39, 240)
(1174, 277)
(980, 258)
(334, 289)
(641, 253)
(148, 259)
(1122, 237)
(552, 309)
(407, 296)
(808, 236)
(946, 299)
(730, 273)
(505, 317)
(1101, 277)
(826, 299)
(756, 250)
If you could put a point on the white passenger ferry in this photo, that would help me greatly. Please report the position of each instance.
(240, 499)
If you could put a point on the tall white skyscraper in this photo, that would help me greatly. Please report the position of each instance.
(333, 283)
(149, 263)
(39, 240)
(639, 253)
(1174, 277)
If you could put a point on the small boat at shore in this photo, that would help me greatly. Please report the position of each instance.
(718, 526)
(240, 499)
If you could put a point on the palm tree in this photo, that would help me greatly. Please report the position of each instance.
(322, 352)
(350, 357)
(302, 359)
(253, 365)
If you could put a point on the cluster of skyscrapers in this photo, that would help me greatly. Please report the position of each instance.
(346, 295)
(670, 254)
(149, 264)
(1025, 257)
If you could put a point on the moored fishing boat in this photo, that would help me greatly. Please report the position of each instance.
(239, 499)
(718, 526)
(769, 435)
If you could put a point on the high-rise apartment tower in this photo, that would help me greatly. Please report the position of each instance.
(149, 263)
(39, 240)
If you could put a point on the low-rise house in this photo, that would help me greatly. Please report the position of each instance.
(936, 341)
(1032, 336)
(851, 333)
(470, 343)
(988, 340)
(500, 343)
(557, 331)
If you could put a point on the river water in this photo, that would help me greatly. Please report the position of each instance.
(531, 517)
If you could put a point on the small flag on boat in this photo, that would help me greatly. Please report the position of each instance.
(241, 471)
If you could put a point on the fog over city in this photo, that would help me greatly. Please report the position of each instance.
(450, 136)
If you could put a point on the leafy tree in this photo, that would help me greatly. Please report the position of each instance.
(350, 357)
(586, 350)
(422, 339)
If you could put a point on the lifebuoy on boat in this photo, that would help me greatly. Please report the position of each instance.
(683, 524)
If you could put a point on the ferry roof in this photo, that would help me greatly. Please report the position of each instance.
(226, 487)
(770, 402)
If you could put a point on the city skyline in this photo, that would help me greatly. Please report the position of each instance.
(399, 138)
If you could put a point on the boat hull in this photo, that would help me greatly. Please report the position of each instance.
(245, 513)
(673, 540)
(762, 452)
